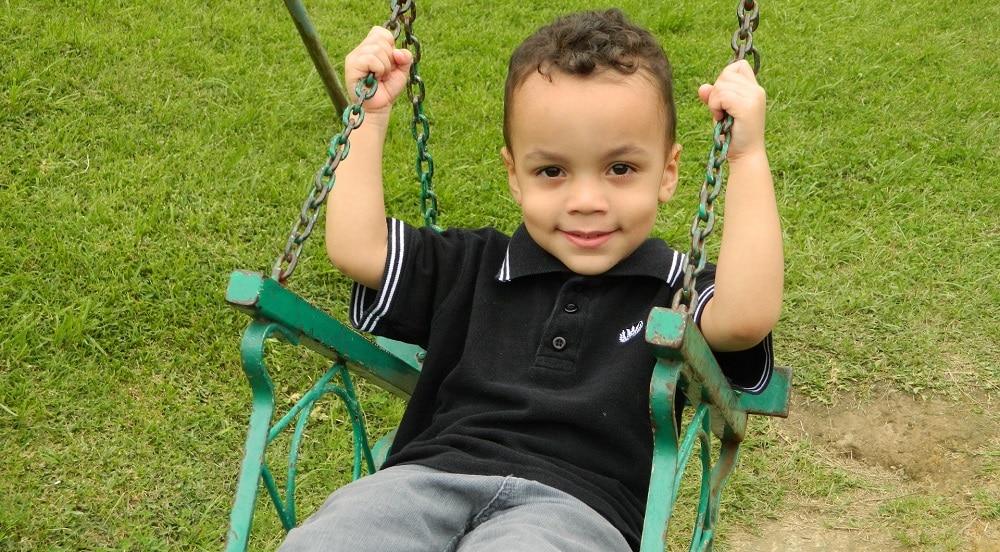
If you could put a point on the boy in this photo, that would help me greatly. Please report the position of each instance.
(529, 427)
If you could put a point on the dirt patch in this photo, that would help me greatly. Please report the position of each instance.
(932, 442)
(906, 450)
(809, 527)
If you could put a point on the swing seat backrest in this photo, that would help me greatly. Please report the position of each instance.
(684, 362)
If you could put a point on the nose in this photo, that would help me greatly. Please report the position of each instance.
(587, 196)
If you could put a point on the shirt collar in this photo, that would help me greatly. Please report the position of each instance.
(653, 258)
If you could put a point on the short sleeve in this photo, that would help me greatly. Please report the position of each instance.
(425, 270)
(400, 307)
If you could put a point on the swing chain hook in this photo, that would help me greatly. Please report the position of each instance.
(686, 298)
(400, 21)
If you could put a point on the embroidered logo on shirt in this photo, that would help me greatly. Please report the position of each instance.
(629, 333)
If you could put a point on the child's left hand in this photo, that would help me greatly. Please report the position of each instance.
(737, 93)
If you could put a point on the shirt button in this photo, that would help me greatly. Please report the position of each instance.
(571, 308)
(559, 343)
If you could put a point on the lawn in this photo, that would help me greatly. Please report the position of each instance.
(149, 149)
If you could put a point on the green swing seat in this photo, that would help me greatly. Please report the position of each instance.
(684, 362)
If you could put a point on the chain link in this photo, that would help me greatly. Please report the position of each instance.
(420, 126)
(400, 23)
(747, 14)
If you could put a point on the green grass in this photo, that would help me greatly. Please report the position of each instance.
(150, 149)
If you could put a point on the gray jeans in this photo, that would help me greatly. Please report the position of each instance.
(413, 508)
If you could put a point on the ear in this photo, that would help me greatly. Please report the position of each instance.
(508, 163)
(670, 173)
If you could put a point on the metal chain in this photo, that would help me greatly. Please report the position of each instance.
(400, 22)
(747, 14)
(420, 126)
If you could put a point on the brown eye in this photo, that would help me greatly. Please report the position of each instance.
(620, 169)
(550, 172)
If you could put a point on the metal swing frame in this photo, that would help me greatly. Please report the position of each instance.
(684, 360)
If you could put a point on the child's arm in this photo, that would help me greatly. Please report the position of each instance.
(750, 273)
(356, 235)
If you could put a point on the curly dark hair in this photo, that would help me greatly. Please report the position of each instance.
(587, 42)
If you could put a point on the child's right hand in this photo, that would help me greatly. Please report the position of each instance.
(377, 54)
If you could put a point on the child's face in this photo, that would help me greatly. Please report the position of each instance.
(589, 162)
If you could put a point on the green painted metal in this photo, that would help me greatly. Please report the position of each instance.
(672, 337)
(264, 298)
(774, 400)
(279, 313)
(262, 433)
(299, 413)
(659, 504)
(380, 450)
(252, 351)
(409, 353)
(684, 362)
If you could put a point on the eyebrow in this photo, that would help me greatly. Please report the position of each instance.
(540, 155)
(627, 150)
(543, 156)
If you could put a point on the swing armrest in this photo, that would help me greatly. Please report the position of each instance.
(673, 338)
(264, 298)
(686, 363)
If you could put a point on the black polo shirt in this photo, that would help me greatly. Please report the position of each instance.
(533, 370)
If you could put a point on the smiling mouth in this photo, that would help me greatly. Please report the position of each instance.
(588, 240)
